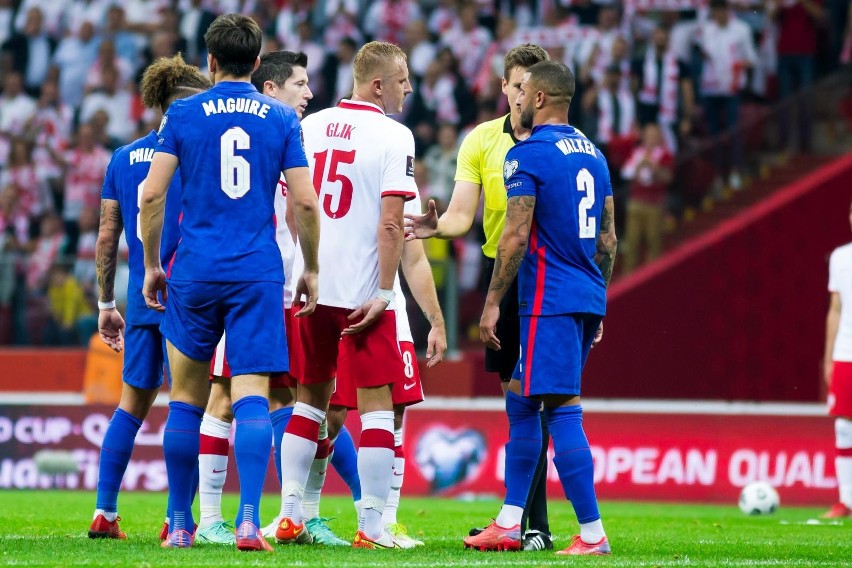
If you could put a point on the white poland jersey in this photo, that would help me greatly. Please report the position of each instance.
(357, 155)
(285, 241)
(403, 329)
(840, 281)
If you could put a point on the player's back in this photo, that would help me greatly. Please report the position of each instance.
(357, 156)
(572, 182)
(232, 144)
(123, 182)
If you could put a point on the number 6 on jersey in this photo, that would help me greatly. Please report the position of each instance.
(236, 171)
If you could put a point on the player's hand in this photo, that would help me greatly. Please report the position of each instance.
(422, 226)
(111, 329)
(369, 313)
(598, 335)
(155, 281)
(308, 287)
(488, 327)
(436, 345)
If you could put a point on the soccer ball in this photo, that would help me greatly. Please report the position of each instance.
(759, 498)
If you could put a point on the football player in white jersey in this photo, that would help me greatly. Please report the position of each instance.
(409, 391)
(283, 76)
(838, 371)
(362, 164)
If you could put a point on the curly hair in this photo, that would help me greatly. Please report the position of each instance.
(170, 78)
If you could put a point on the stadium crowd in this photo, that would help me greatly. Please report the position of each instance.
(654, 77)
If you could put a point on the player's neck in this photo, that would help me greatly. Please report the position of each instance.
(228, 78)
(550, 118)
(368, 99)
(518, 131)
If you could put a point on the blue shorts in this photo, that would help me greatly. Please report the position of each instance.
(144, 356)
(553, 352)
(250, 313)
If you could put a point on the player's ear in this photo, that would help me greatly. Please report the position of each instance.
(212, 65)
(504, 84)
(377, 85)
(256, 64)
(539, 99)
(269, 88)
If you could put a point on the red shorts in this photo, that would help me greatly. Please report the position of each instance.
(406, 391)
(219, 364)
(840, 390)
(368, 359)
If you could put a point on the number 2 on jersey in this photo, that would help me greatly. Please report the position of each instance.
(588, 225)
(344, 201)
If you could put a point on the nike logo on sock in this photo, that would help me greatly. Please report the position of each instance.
(220, 470)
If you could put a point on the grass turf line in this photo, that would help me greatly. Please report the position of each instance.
(49, 529)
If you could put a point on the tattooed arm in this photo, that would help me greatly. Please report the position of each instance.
(607, 241)
(510, 254)
(110, 322)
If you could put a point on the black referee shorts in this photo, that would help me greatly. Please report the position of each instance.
(504, 361)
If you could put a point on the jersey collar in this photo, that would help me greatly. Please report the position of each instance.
(237, 86)
(359, 105)
(507, 128)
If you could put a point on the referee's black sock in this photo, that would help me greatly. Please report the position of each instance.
(535, 513)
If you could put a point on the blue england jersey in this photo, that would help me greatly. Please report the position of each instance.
(232, 143)
(569, 178)
(125, 175)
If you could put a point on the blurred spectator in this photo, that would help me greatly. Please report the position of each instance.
(14, 240)
(340, 20)
(16, 107)
(193, 24)
(586, 12)
(469, 42)
(595, 52)
(7, 16)
(116, 31)
(108, 58)
(115, 102)
(78, 12)
(440, 161)
(728, 50)
(144, 17)
(386, 19)
(84, 165)
(70, 311)
(29, 52)
(33, 194)
(84, 263)
(336, 75)
(666, 95)
(649, 169)
(611, 116)
(44, 251)
(51, 12)
(421, 51)
(73, 60)
(799, 23)
(304, 41)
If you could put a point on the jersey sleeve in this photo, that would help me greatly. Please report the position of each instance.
(108, 191)
(833, 273)
(469, 161)
(398, 172)
(294, 152)
(167, 140)
(518, 174)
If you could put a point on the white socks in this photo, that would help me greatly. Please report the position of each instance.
(212, 468)
(392, 504)
(317, 474)
(592, 533)
(843, 462)
(298, 448)
(375, 468)
(111, 516)
(510, 515)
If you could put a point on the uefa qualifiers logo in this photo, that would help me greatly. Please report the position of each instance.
(447, 457)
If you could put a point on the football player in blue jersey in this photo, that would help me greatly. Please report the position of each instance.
(559, 239)
(144, 349)
(232, 143)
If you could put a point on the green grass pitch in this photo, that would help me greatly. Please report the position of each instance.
(49, 529)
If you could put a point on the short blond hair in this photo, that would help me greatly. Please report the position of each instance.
(375, 58)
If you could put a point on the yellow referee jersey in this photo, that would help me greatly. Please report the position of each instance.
(480, 161)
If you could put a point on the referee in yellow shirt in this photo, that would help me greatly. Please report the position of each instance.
(480, 170)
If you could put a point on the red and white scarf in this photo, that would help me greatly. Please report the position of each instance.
(606, 129)
(667, 96)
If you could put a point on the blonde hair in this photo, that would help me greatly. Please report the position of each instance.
(170, 78)
(375, 58)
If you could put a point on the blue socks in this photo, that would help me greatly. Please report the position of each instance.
(251, 449)
(180, 448)
(280, 418)
(115, 455)
(523, 448)
(573, 460)
(345, 462)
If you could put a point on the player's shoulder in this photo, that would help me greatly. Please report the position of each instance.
(842, 254)
(488, 129)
